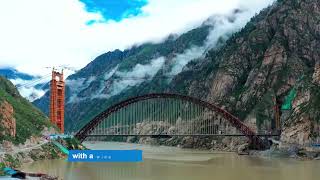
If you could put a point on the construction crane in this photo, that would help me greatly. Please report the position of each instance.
(73, 69)
(62, 67)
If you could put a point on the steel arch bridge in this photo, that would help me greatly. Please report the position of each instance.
(165, 114)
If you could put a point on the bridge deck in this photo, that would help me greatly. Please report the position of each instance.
(173, 135)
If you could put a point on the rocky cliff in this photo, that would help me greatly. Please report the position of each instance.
(8, 121)
(275, 53)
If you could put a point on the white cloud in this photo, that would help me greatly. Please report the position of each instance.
(39, 33)
(138, 74)
(107, 75)
(77, 85)
(27, 87)
(31, 93)
(222, 28)
(183, 59)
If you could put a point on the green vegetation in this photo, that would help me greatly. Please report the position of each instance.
(29, 120)
(73, 144)
(13, 162)
(149, 51)
(9, 161)
(2, 165)
(262, 110)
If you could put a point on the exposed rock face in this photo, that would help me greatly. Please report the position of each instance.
(243, 149)
(276, 52)
(299, 133)
(7, 119)
(204, 142)
(7, 146)
(300, 127)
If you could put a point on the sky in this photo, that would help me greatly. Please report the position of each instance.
(38, 34)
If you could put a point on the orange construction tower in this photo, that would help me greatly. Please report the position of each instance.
(57, 99)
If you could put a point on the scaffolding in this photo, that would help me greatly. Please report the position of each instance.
(57, 99)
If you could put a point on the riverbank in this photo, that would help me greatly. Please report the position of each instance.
(292, 151)
(237, 145)
(15, 160)
(227, 144)
(43, 149)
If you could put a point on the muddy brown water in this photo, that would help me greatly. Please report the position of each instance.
(170, 163)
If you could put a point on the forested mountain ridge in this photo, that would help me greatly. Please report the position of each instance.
(19, 119)
(149, 67)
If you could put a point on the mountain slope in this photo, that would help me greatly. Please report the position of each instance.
(146, 68)
(99, 84)
(30, 87)
(14, 108)
(11, 73)
(277, 52)
(276, 55)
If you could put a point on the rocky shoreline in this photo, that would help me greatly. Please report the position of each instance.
(15, 160)
(238, 145)
(289, 151)
(279, 148)
(45, 151)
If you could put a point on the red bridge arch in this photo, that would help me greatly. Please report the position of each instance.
(234, 121)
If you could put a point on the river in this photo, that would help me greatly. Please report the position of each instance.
(171, 163)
